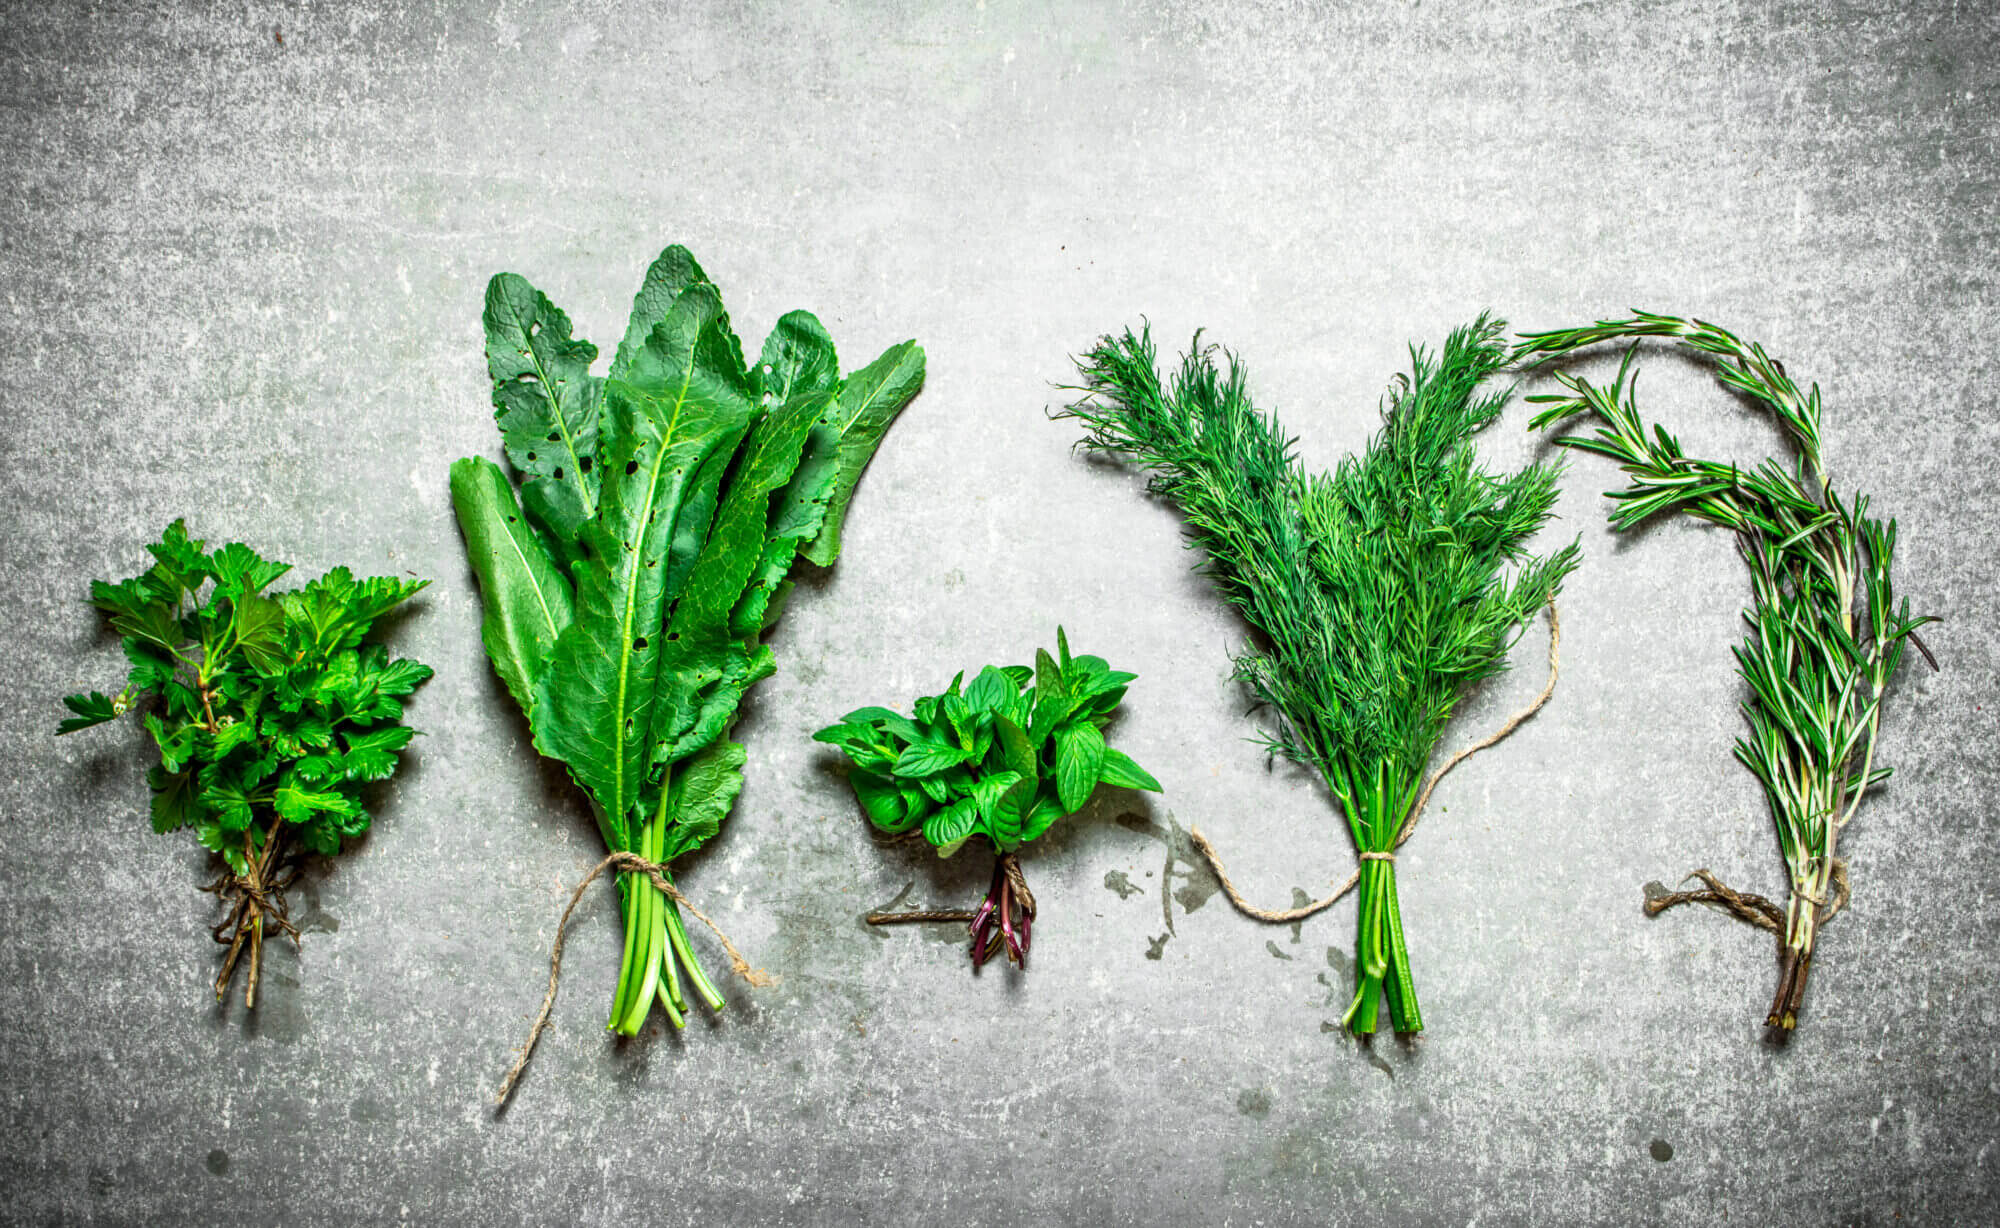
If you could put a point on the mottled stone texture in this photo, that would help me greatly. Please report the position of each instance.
(242, 252)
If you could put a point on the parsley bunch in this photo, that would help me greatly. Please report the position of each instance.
(269, 713)
(1377, 589)
(1003, 759)
(1826, 630)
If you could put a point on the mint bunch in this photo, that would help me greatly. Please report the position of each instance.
(1002, 759)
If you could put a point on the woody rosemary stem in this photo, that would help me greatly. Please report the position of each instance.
(1802, 918)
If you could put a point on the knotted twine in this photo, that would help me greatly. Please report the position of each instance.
(1287, 915)
(622, 860)
(252, 895)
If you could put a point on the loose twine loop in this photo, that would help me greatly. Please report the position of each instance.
(1287, 915)
(1749, 908)
(622, 860)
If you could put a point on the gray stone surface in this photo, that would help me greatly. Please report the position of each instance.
(241, 256)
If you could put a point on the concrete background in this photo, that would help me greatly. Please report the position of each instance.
(241, 254)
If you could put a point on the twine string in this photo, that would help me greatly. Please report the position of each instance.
(622, 860)
(1287, 915)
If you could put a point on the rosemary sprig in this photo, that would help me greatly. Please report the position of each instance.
(1825, 630)
(1377, 588)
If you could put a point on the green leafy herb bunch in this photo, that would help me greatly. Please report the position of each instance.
(1003, 759)
(630, 581)
(1380, 591)
(1826, 630)
(271, 712)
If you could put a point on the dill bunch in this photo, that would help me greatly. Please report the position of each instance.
(1826, 631)
(1380, 591)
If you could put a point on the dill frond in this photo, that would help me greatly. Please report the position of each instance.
(1380, 591)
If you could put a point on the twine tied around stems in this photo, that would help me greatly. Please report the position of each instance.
(1288, 915)
(252, 895)
(622, 860)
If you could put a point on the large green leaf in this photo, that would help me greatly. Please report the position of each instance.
(736, 545)
(685, 403)
(546, 400)
(869, 401)
(527, 602)
(674, 271)
(693, 725)
(705, 787)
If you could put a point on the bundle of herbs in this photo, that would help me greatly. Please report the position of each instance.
(1001, 760)
(269, 712)
(1826, 631)
(628, 589)
(1377, 589)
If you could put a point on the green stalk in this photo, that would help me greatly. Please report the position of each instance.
(677, 934)
(621, 998)
(670, 984)
(651, 931)
(1403, 1010)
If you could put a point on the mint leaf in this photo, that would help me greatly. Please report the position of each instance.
(1119, 771)
(1079, 758)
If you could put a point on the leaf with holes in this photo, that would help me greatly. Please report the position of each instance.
(629, 581)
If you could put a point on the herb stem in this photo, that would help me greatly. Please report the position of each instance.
(677, 934)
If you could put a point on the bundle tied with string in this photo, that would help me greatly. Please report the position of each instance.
(1380, 591)
(657, 873)
(1825, 628)
(1285, 916)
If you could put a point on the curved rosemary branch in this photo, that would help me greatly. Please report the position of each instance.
(1825, 630)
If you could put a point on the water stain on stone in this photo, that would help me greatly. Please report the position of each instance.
(1254, 1102)
(1272, 947)
(1198, 882)
(1116, 880)
(1299, 900)
(278, 1016)
(319, 921)
(1339, 989)
(1662, 1150)
(101, 1181)
(218, 1162)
